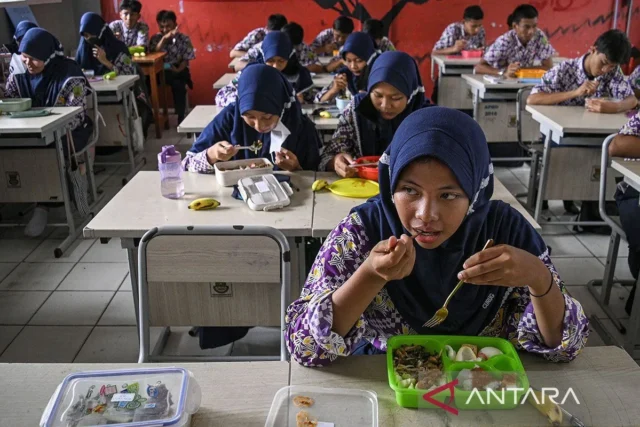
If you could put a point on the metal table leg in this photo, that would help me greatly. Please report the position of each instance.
(476, 104)
(132, 256)
(129, 136)
(633, 325)
(544, 173)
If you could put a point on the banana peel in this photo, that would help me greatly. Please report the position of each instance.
(204, 204)
(546, 407)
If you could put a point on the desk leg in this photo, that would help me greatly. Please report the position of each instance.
(544, 174)
(476, 104)
(634, 324)
(163, 93)
(127, 98)
(155, 103)
(132, 255)
(62, 169)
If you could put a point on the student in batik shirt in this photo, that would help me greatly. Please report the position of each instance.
(176, 62)
(332, 39)
(129, 29)
(596, 74)
(274, 23)
(634, 81)
(525, 46)
(468, 34)
(627, 144)
(51, 80)
(375, 28)
(371, 281)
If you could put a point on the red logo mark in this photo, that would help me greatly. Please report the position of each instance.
(450, 386)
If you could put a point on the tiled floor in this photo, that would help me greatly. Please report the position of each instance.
(79, 307)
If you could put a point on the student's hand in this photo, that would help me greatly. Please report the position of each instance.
(171, 33)
(587, 88)
(342, 165)
(329, 48)
(100, 54)
(392, 259)
(459, 46)
(300, 97)
(512, 69)
(601, 106)
(287, 160)
(221, 152)
(339, 83)
(504, 265)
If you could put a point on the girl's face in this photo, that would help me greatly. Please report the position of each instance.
(92, 39)
(262, 122)
(354, 63)
(429, 200)
(277, 62)
(34, 66)
(388, 100)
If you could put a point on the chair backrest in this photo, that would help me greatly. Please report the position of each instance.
(521, 104)
(213, 276)
(604, 172)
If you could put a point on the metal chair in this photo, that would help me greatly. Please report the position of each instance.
(211, 276)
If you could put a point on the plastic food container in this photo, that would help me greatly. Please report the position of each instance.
(472, 53)
(342, 103)
(332, 407)
(507, 363)
(265, 192)
(125, 398)
(368, 172)
(530, 73)
(12, 105)
(229, 173)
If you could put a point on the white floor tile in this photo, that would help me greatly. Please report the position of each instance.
(113, 344)
(566, 246)
(109, 252)
(505, 176)
(40, 276)
(7, 334)
(258, 342)
(578, 271)
(598, 245)
(44, 252)
(72, 308)
(120, 312)
(619, 296)
(46, 344)
(16, 308)
(180, 343)
(549, 229)
(95, 277)
(522, 173)
(595, 340)
(6, 268)
(515, 188)
(18, 232)
(616, 336)
(16, 250)
(622, 268)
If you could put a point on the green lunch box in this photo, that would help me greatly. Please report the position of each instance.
(508, 362)
(12, 105)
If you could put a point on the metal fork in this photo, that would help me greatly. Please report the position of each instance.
(442, 313)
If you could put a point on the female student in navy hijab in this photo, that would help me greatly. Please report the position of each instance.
(276, 51)
(50, 80)
(100, 50)
(358, 53)
(371, 280)
(367, 125)
(266, 110)
(21, 30)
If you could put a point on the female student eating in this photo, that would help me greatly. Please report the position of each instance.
(391, 263)
(266, 110)
(276, 51)
(367, 125)
(358, 53)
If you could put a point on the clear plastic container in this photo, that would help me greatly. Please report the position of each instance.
(126, 397)
(170, 167)
(332, 407)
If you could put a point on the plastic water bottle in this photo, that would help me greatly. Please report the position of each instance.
(170, 167)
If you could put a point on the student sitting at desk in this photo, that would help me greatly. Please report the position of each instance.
(176, 62)
(332, 39)
(276, 51)
(468, 34)
(390, 264)
(367, 125)
(51, 80)
(634, 80)
(596, 74)
(525, 46)
(21, 30)
(627, 144)
(129, 29)
(274, 23)
(358, 53)
(375, 28)
(267, 111)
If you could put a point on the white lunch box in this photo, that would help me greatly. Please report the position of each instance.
(265, 192)
(228, 173)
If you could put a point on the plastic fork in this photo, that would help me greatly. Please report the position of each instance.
(442, 313)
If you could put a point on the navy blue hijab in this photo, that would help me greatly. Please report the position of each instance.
(93, 23)
(21, 30)
(400, 71)
(265, 89)
(277, 43)
(361, 45)
(457, 141)
(43, 88)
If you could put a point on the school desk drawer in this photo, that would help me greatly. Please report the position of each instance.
(29, 175)
(454, 92)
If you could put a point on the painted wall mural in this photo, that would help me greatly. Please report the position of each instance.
(413, 25)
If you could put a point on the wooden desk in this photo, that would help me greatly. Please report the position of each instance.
(605, 380)
(319, 80)
(227, 400)
(152, 65)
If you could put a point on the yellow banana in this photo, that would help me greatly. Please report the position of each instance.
(325, 114)
(319, 184)
(206, 203)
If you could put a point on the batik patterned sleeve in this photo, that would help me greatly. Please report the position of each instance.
(124, 66)
(306, 56)
(250, 40)
(620, 87)
(632, 127)
(252, 54)
(386, 45)
(522, 325)
(545, 50)
(634, 78)
(496, 55)
(323, 38)
(228, 94)
(74, 94)
(552, 81)
(11, 89)
(309, 320)
(321, 93)
(197, 162)
(343, 140)
(481, 39)
(447, 39)
(154, 42)
(187, 52)
(143, 34)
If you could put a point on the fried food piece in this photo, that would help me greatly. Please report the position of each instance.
(304, 420)
(303, 401)
(473, 348)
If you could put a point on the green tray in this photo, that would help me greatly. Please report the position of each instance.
(507, 363)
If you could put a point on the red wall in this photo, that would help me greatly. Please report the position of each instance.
(216, 25)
